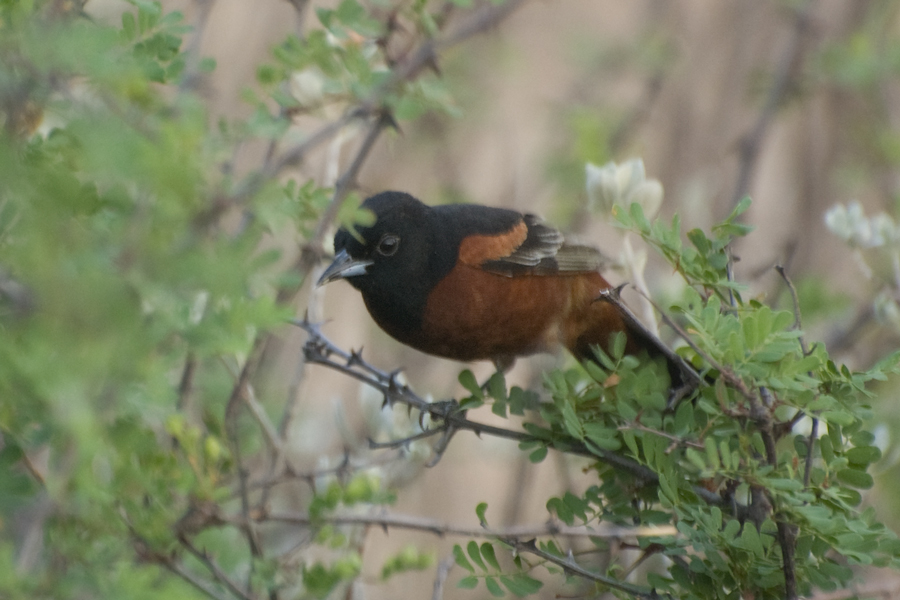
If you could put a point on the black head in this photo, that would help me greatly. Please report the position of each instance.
(397, 246)
(394, 262)
(397, 261)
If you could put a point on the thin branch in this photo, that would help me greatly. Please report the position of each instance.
(727, 374)
(180, 570)
(186, 384)
(751, 143)
(259, 414)
(787, 536)
(192, 52)
(798, 325)
(238, 392)
(571, 566)
(440, 578)
(424, 56)
(312, 250)
(214, 569)
(145, 552)
(441, 529)
(795, 299)
(680, 441)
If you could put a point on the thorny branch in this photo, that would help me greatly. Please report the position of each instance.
(319, 350)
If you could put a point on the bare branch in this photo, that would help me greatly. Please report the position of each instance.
(571, 566)
(443, 570)
(180, 570)
(751, 143)
(441, 529)
(214, 569)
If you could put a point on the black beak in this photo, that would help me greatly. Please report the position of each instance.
(343, 266)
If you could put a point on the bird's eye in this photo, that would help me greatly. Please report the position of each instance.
(388, 244)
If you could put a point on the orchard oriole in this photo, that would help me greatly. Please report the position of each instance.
(471, 282)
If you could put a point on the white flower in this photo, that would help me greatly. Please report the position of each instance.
(622, 185)
(851, 225)
(307, 86)
(886, 309)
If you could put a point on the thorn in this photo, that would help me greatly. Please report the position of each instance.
(355, 358)
(388, 120)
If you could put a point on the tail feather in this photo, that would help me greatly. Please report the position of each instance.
(684, 379)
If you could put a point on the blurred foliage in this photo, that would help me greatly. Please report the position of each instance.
(137, 276)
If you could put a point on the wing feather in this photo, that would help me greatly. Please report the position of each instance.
(545, 251)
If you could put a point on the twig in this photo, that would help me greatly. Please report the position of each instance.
(287, 474)
(440, 578)
(231, 418)
(259, 414)
(186, 384)
(798, 325)
(786, 533)
(145, 552)
(192, 51)
(180, 570)
(727, 374)
(312, 250)
(795, 299)
(571, 566)
(441, 529)
(751, 142)
(214, 569)
(672, 438)
(424, 56)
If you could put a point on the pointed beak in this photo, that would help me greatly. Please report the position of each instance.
(343, 266)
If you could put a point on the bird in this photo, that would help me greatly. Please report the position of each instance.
(470, 282)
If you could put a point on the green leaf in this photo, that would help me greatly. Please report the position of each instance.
(863, 455)
(475, 554)
(749, 540)
(603, 437)
(480, 511)
(468, 381)
(493, 587)
(712, 455)
(618, 345)
(487, 551)
(538, 455)
(699, 240)
(571, 421)
(461, 559)
(496, 386)
(520, 584)
(856, 478)
(468, 583)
